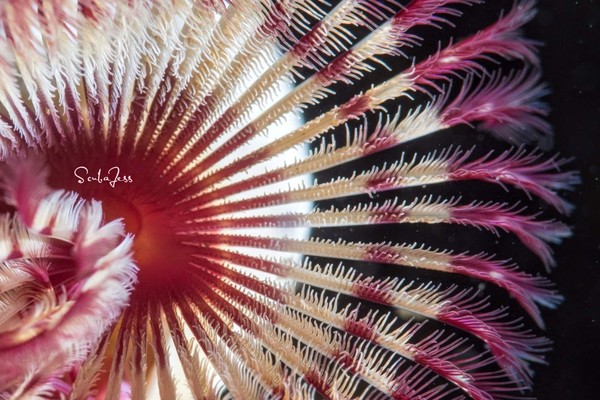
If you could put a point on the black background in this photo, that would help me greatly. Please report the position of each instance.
(571, 61)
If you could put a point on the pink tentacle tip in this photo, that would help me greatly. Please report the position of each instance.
(535, 234)
(528, 290)
(524, 170)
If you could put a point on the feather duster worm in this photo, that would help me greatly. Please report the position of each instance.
(147, 113)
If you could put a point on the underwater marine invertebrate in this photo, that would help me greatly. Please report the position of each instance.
(151, 111)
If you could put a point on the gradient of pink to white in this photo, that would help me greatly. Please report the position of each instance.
(232, 295)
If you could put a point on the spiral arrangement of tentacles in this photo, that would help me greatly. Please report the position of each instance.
(164, 117)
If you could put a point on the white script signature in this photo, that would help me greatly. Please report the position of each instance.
(112, 176)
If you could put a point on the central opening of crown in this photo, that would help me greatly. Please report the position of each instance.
(132, 190)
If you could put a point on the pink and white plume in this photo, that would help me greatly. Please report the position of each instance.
(150, 191)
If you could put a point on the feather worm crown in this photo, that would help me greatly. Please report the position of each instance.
(168, 227)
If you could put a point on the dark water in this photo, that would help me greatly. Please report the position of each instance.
(571, 59)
